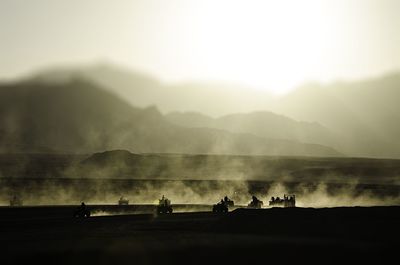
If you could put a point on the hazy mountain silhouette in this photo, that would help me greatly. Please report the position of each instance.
(78, 116)
(142, 90)
(261, 123)
(365, 113)
(357, 118)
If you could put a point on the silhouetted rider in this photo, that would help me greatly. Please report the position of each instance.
(82, 207)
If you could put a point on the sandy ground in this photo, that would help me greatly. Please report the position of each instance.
(319, 236)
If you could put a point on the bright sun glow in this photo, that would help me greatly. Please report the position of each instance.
(270, 45)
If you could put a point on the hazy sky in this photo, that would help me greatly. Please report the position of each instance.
(266, 44)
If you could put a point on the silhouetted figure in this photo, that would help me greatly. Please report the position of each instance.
(123, 201)
(221, 206)
(82, 211)
(228, 202)
(255, 203)
(164, 206)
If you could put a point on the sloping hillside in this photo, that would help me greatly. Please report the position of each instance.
(80, 117)
(143, 90)
(261, 123)
(365, 112)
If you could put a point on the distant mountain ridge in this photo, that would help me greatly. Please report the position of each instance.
(143, 90)
(365, 113)
(78, 116)
(260, 123)
(360, 118)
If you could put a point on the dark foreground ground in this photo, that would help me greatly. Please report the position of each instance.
(281, 236)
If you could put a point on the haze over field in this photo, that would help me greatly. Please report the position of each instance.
(204, 80)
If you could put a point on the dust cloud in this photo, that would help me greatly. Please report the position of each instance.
(202, 192)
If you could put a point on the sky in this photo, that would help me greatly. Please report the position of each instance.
(268, 45)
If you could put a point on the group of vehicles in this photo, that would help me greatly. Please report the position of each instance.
(165, 207)
(287, 201)
(164, 204)
(255, 203)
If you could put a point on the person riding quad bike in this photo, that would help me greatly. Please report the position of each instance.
(220, 207)
(164, 206)
(82, 211)
(228, 202)
(255, 203)
(123, 201)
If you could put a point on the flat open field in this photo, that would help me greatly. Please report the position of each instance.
(243, 236)
(43, 179)
(192, 234)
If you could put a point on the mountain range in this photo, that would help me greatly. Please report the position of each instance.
(79, 116)
(357, 118)
(365, 113)
(259, 123)
(143, 90)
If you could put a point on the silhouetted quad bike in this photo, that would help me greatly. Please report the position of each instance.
(81, 213)
(220, 208)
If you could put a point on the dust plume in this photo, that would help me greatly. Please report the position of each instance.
(203, 192)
